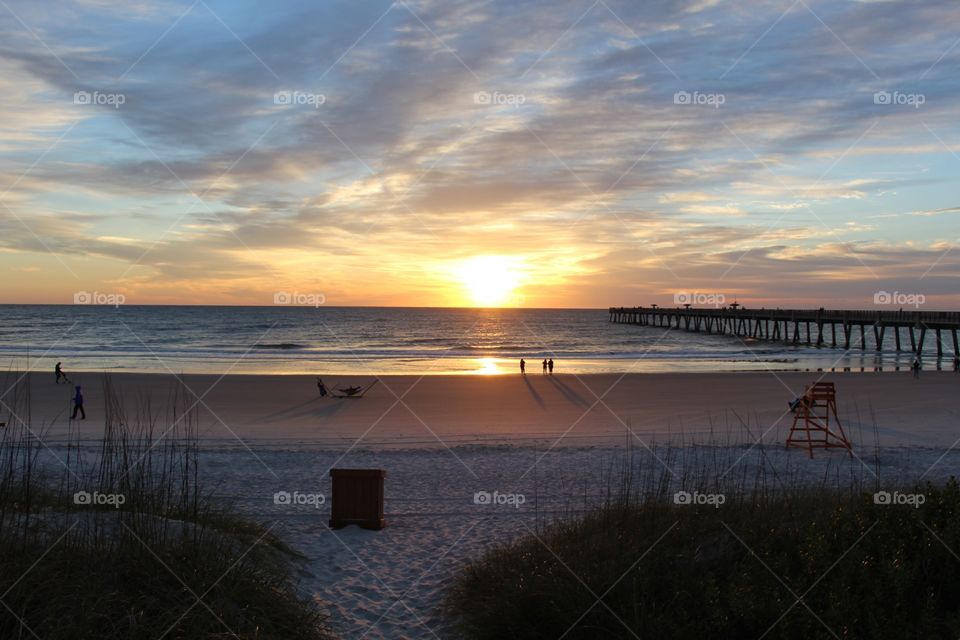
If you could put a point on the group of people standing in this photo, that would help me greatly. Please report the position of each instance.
(547, 366)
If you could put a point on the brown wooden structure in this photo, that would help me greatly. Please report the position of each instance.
(806, 326)
(815, 421)
(357, 498)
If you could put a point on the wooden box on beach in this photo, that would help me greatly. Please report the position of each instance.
(357, 498)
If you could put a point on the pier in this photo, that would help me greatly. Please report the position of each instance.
(846, 329)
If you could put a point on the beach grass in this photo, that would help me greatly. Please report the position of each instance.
(121, 540)
(796, 562)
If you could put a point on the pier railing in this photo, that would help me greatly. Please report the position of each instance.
(803, 326)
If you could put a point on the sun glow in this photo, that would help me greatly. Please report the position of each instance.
(488, 367)
(490, 281)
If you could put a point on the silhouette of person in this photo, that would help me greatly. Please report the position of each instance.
(523, 367)
(351, 391)
(550, 365)
(544, 366)
(58, 370)
(322, 388)
(956, 364)
(78, 405)
(916, 367)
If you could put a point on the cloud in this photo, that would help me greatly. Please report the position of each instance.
(200, 182)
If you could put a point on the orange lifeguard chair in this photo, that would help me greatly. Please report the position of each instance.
(815, 421)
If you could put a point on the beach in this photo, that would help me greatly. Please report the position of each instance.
(438, 410)
(559, 442)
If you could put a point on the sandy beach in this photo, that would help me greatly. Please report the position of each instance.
(560, 442)
(437, 410)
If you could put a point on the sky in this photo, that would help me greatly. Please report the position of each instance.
(459, 153)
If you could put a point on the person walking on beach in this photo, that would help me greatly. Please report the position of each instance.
(956, 364)
(322, 388)
(78, 405)
(523, 367)
(544, 366)
(916, 368)
(58, 370)
(550, 365)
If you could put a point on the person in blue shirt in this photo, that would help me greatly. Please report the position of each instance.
(78, 405)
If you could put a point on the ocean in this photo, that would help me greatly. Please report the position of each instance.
(369, 340)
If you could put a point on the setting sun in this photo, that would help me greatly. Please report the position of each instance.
(490, 281)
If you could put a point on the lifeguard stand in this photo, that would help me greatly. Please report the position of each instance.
(815, 421)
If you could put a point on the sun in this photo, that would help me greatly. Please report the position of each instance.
(489, 280)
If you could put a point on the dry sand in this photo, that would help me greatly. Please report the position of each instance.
(556, 441)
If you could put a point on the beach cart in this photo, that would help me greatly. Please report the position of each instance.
(357, 498)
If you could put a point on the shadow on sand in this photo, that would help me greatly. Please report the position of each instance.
(329, 407)
(569, 393)
(533, 392)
